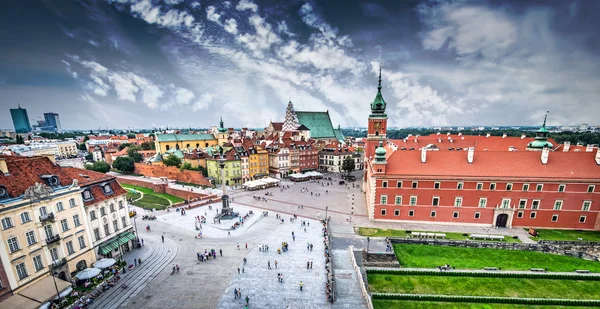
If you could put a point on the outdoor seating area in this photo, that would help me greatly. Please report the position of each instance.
(486, 237)
(261, 184)
(306, 176)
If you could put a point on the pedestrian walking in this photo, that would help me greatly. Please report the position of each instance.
(307, 265)
(275, 264)
(238, 270)
(162, 237)
(243, 270)
(245, 261)
(247, 300)
(239, 293)
(269, 264)
(246, 246)
(177, 267)
(294, 238)
(221, 252)
(238, 245)
(142, 241)
(301, 286)
(310, 264)
(134, 262)
(235, 291)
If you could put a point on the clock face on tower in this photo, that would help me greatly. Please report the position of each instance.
(377, 125)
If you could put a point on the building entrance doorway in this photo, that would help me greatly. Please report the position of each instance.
(501, 220)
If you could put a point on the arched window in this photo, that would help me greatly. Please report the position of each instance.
(376, 133)
(197, 145)
(187, 146)
(168, 147)
(177, 146)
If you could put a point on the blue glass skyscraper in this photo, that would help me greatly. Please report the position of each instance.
(20, 120)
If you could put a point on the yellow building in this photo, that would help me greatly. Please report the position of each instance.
(43, 226)
(259, 162)
(165, 142)
(66, 150)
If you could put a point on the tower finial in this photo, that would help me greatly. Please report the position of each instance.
(380, 65)
(545, 117)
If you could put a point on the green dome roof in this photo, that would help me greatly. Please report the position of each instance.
(539, 144)
(380, 151)
(378, 104)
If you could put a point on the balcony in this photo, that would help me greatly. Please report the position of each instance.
(58, 263)
(47, 218)
(52, 239)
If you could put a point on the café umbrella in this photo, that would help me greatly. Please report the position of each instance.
(87, 273)
(104, 263)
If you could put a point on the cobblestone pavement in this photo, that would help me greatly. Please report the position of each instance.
(260, 283)
(347, 286)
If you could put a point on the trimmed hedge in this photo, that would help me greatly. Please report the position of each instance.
(487, 299)
(491, 274)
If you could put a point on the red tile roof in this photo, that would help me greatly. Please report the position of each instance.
(520, 164)
(278, 126)
(480, 142)
(24, 172)
(92, 180)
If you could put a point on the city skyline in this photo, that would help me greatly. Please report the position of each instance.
(176, 63)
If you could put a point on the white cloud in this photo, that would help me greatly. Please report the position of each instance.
(282, 27)
(203, 102)
(262, 40)
(231, 26)
(246, 5)
(310, 18)
(153, 15)
(212, 15)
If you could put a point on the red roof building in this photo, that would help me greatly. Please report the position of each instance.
(491, 181)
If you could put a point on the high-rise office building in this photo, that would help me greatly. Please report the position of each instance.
(20, 120)
(52, 120)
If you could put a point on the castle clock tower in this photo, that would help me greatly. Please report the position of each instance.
(377, 128)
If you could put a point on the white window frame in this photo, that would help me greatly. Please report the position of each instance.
(21, 274)
(455, 215)
(583, 206)
(72, 202)
(540, 186)
(59, 206)
(87, 195)
(484, 200)
(460, 185)
(411, 213)
(525, 187)
(584, 219)
(520, 214)
(533, 206)
(70, 248)
(477, 215)
(439, 185)
(121, 205)
(552, 218)
(27, 219)
(13, 244)
(43, 211)
(38, 264)
(398, 200)
(383, 200)
(64, 224)
(433, 199)
(524, 204)
(81, 240)
(383, 212)
(479, 186)
(399, 184)
(384, 184)
(411, 201)
(505, 203)
(7, 223)
(396, 212)
(76, 221)
(433, 214)
(558, 205)
(492, 186)
(458, 201)
(414, 185)
(93, 215)
(563, 186)
(533, 215)
(509, 186)
(593, 187)
(30, 236)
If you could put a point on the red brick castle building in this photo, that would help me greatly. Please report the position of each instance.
(543, 185)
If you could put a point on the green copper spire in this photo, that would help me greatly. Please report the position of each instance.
(541, 137)
(378, 104)
(221, 127)
(380, 153)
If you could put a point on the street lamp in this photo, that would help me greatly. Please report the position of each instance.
(54, 279)
(136, 231)
(368, 243)
(121, 251)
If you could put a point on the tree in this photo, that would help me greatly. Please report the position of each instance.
(20, 140)
(172, 160)
(99, 166)
(133, 152)
(348, 165)
(89, 157)
(124, 164)
(130, 135)
(148, 146)
(124, 145)
(82, 147)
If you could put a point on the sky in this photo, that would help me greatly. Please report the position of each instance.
(176, 63)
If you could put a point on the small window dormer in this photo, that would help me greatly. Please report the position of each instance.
(3, 192)
(106, 188)
(51, 180)
(87, 195)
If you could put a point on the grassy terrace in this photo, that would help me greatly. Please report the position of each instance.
(146, 191)
(134, 195)
(402, 304)
(375, 232)
(423, 256)
(567, 235)
(476, 286)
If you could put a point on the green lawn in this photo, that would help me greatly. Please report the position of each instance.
(477, 286)
(427, 256)
(134, 195)
(146, 191)
(375, 232)
(152, 201)
(567, 235)
(406, 304)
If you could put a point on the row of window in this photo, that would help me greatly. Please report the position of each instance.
(106, 228)
(477, 215)
(7, 222)
(506, 203)
(103, 210)
(492, 186)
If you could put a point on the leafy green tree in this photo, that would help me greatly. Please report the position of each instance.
(89, 157)
(82, 147)
(130, 135)
(148, 146)
(133, 152)
(172, 160)
(124, 145)
(20, 140)
(348, 165)
(124, 164)
(99, 166)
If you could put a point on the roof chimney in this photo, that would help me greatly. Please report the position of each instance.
(448, 133)
(511, 148)
(439, 140)
(504, 135)
(3, 167)
(438, 133)
(545, 153)
(598, 156)
(487, 135)
(462, 137)
(567, 146)
(423, 155)
(589, 148)
(459, 133)
(470, 155)
(523, 136)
